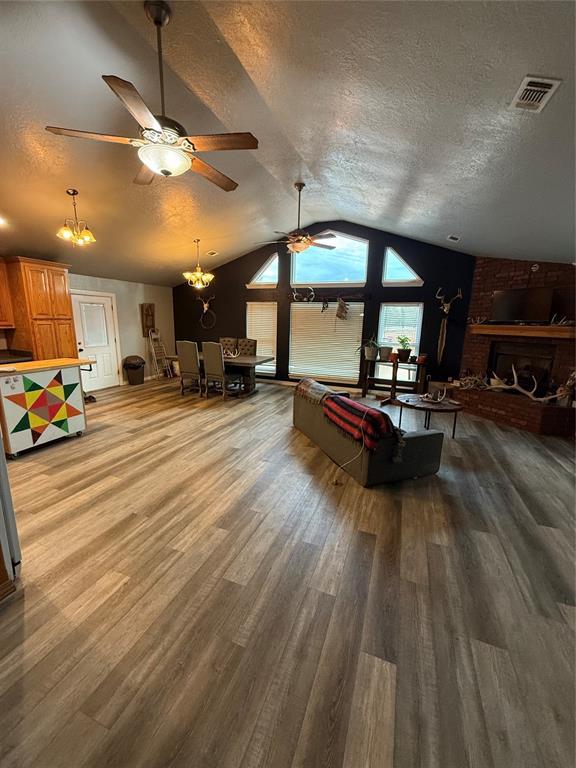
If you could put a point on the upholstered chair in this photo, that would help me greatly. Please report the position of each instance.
(214, 371)
(247, 346)
(229, 344)
(189, 366)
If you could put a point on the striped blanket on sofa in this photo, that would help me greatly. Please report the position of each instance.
(364, 424)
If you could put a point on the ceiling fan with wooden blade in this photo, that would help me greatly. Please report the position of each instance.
(164, 146)
(298, 240)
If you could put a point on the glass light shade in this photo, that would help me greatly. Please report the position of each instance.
(86, 236)
(65, 233)
(298, 247)
(207, 278)
(165, 160)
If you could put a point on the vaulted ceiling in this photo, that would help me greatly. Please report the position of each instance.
(395, 114)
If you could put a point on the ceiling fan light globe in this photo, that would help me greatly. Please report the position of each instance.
(165, 160)
(298, 247)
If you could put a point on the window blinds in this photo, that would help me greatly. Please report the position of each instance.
(321, 345)
(399, 320)
(261, 325)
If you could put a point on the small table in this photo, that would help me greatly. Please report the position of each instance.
(429, 407)
(370, 381)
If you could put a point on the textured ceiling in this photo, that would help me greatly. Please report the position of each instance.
(395, 114)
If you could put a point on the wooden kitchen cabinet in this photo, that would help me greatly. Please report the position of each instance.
(38, 291)
(44, 338)
(6, 313)
(43, 320)
(65, 338)
(59, 295)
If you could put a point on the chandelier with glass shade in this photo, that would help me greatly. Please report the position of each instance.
(75, 231)
(198, 279)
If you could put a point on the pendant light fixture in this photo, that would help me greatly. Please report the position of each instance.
(198, 279)
(74, 231)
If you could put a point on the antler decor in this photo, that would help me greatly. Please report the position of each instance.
(445, 305)
(518, 388)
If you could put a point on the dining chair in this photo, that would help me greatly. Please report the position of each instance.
(214, 371)
(229, 344)
(247, 346)
(189, 365)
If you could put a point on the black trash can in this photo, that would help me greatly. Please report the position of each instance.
(134, 367)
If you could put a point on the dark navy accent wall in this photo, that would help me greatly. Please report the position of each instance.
(436, 266)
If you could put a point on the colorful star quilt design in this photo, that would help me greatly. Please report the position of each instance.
(43, 406)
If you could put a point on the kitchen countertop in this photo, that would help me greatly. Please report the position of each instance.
(43, 365)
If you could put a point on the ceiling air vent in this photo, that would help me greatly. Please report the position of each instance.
(211, 253)
(534, 93)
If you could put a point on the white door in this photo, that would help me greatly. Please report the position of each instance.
(95, 331)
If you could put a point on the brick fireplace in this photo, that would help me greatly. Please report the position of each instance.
(547, 353)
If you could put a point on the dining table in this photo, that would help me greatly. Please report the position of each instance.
(248, 365)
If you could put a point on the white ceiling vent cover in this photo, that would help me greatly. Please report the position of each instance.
(534, 93)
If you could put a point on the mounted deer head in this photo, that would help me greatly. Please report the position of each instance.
(445, 304)
(205, 303)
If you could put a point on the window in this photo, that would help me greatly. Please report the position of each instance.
(323, 346)
(397, 272)
(267, 275)
(261, 325)
(345, 265)
(399, 320)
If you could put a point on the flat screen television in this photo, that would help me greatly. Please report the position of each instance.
(522, 305)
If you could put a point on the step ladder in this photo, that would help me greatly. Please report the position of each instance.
(161, 360)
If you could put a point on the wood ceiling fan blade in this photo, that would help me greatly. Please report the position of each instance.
(221, 141)
(286, 234)
(89, 135)
(321, 245)
(210, 173)
(133, 102)
(269, 242)
(144, 176)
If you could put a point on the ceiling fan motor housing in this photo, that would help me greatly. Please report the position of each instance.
(158, 12)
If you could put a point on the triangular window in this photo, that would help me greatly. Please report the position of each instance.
(397, 272)
(267, 275)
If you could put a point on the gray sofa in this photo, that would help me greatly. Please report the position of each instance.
(421, 454)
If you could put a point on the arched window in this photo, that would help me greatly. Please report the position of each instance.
(344, 264)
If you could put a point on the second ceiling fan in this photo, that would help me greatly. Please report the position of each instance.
(298, 240)
(164, 146)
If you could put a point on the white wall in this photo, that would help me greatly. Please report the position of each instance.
(129, 296)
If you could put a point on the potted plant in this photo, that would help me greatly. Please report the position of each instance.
(370, 349)
(404, 350)
(384, 353)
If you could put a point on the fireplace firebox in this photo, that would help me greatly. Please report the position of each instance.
(529, 360)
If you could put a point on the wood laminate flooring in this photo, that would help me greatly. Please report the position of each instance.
(203, 588)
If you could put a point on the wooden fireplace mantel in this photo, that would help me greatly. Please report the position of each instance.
(525, 331)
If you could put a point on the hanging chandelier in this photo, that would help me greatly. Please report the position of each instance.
(198, 279)
(74, 231)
